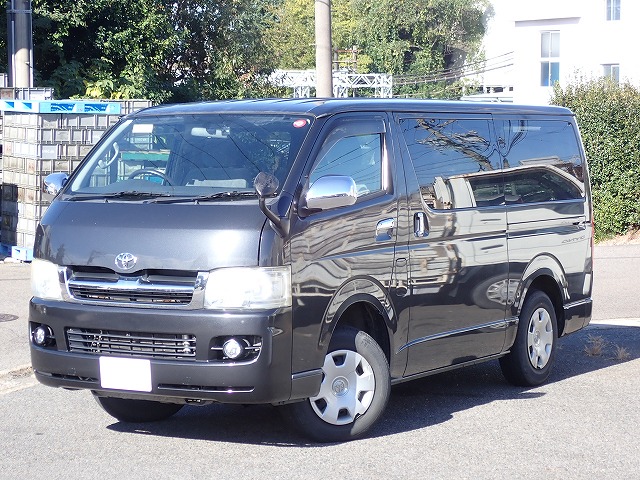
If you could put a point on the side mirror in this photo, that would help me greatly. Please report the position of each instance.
(331, 191)
(265, 185)
(54, 182)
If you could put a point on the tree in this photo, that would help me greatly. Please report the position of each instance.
(414, 37)
(419, 36)
(157, 49)
(607, 114)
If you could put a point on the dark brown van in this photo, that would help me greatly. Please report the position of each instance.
(311, 253)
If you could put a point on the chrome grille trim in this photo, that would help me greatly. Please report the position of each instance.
(130, 291)
(135, 344)
(141, 291)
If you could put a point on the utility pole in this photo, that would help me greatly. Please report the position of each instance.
(20, 43)
(324, 73)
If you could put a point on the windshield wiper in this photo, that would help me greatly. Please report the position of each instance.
(122, 195)
(205, 198)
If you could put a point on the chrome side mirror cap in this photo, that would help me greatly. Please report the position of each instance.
(331, 191)
(54, 182)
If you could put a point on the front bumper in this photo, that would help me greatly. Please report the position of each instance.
(266, 378)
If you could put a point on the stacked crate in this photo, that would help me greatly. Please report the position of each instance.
(39, 138)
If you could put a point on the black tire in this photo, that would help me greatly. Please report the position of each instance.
(137, 411)
(533, 353)
(354, 392)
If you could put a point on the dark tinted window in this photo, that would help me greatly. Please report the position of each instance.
(542, 160)
(455, 161)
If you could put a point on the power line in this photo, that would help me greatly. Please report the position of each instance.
(475, 68)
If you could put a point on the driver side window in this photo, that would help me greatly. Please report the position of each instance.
(356, 156)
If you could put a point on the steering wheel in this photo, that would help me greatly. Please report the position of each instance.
(150, 171)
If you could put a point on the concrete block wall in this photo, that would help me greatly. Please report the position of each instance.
(41, 137)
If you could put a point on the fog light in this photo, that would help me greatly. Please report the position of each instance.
(42, 335)
(232, 349)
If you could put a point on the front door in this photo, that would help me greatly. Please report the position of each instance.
(344, 253)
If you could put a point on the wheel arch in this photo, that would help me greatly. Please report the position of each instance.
(544, 273)
(362, 303)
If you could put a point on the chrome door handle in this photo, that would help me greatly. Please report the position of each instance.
(420, 225)
(384, 229)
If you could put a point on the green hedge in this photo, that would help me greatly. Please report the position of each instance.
(608, 116)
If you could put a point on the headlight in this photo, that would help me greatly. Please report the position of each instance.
(45, 281)
(248, 288)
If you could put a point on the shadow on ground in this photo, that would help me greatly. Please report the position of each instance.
(413, 405)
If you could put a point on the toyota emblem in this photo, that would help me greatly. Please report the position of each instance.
(126, 261)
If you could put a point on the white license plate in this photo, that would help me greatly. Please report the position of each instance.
(125, 374)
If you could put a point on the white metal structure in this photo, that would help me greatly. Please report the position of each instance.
(344, 82)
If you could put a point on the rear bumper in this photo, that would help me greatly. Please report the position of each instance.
(577, 315)
(264, 379)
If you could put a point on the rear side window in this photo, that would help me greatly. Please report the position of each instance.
(542, 160)
(455, 161)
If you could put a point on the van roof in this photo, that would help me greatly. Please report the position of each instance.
(327, 106)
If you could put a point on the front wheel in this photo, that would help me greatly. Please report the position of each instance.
(532, 355)
(137, 411)
(354, 391)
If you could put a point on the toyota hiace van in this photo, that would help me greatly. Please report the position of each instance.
(310, 253)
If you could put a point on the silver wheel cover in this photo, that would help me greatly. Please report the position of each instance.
(540, 338)
(347, 388)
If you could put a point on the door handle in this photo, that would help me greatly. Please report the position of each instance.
(384, 229)
(420, 225)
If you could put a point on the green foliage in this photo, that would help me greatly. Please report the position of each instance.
(163, 50)
(607, 115)
(182, 50)
(392, 36)
(418, 36)
(291, 34)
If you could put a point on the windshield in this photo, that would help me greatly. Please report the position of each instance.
(190, 155)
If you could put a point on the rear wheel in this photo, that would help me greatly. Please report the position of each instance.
(137, 411)
(353, 394)
(531, 358)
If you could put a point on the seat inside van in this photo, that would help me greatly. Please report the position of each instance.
(212, 162)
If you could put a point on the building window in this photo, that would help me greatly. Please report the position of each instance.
(550, 56)
(613, 9)
(612, 71)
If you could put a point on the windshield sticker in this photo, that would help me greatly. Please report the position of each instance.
(142, 128)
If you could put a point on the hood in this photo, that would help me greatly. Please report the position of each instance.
(193, 237)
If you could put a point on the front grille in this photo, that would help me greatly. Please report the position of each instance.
(135, 344)
(144, 288)
(91, 292)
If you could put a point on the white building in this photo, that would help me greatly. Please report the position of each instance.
(552, 41)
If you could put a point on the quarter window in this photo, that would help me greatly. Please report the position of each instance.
(542, 161)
